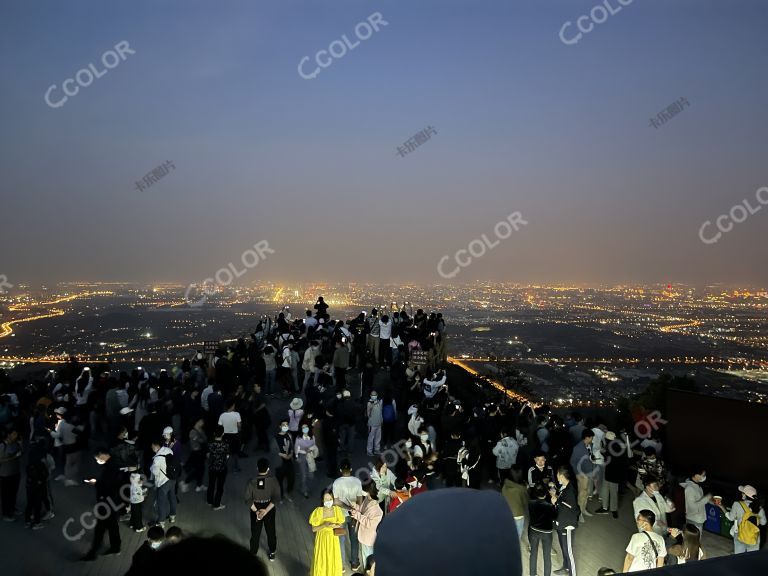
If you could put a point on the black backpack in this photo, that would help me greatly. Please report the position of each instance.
(172, 466)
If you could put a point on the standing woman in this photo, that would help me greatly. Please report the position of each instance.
(295, 414)
(325, 521)
(747, 516)
(303, 448)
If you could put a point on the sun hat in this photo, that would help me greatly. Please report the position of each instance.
(748, 490)
(296, 404)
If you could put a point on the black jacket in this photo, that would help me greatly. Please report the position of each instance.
(567, 508)
(543, 515)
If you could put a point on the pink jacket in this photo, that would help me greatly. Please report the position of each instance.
(368, 515)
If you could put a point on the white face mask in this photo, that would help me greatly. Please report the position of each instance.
(283, 429)
(408, 444)
(155, 545)
(374, 398)
(328, 503)
(305, 430)
(703, 479)
(424, 438)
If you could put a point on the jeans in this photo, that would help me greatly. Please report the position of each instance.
(267, 522)
(216, 481)
(534, 537)
(354, 552)
(304, 474)
(166, 500)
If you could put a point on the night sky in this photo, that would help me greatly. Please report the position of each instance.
(524, 122)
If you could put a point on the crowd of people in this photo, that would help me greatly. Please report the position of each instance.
(380, 379)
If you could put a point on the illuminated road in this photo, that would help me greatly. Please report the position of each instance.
(497, 385)
(6, 329)
(16, 307)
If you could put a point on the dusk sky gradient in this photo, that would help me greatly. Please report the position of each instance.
(524, 123)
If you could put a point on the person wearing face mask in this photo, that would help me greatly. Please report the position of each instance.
(374, 412)
(261, 496)
(649, 465)
(646, 549)
(145, 555)
(285, 471)
(696, 499)
(384, 480)
(651, 499)
(305, 449)
(744, 512)
(327, 523)
(347, 493)
(424, 450)
(107, 492)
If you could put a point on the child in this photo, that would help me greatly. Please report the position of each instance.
(137, 502)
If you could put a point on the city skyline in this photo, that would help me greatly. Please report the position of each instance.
(521, 117)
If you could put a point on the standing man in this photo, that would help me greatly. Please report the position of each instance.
(582, 463)
(232, 423)
(262, 494)
(284, 442)
(107, 493)
(340, 365)
(696, 499)
(373, 334)
(646, 549)
(567, 519)
(651, 499)
(348, 492)
(218, 454)
(374, 412)
(165, 493)
(540, 472)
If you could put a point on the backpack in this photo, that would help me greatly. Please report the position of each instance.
(388, 413)
(748, 533)
(172, 466)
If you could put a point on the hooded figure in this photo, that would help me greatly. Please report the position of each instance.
(493, 548)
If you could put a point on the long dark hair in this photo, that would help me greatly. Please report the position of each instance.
(691, 542)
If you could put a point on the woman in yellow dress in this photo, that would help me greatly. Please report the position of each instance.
(324, 519)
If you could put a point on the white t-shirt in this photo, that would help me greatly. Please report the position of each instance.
(644, 557)
(229, 420)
